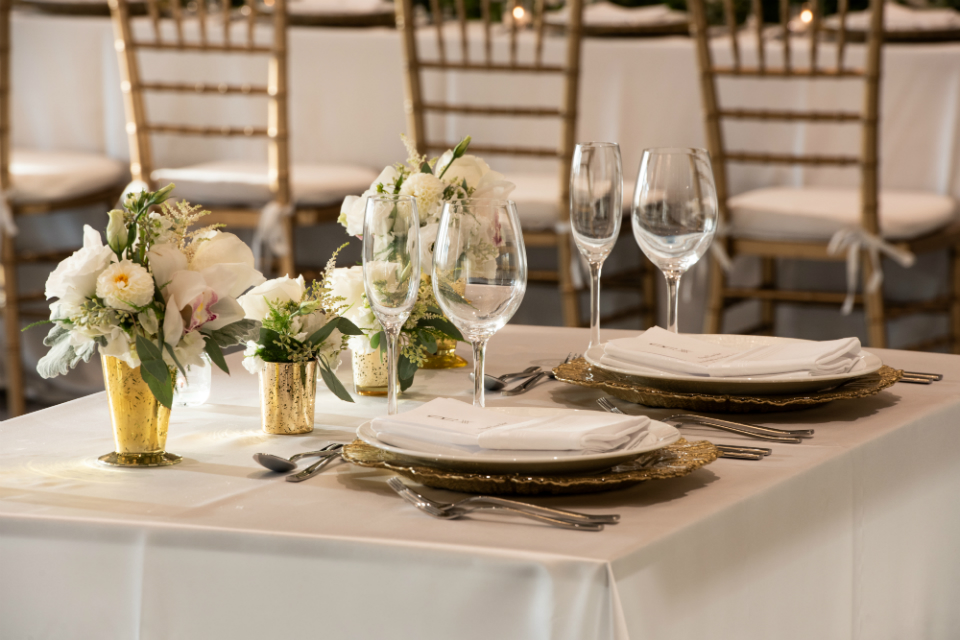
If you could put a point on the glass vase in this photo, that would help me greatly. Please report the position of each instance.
(193, 389)
(288, 394)
(140, 422)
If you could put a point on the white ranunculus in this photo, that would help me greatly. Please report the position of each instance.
(427, 189)
(165, 260)
(75, 279)
(251, 361)
(125, 285)
(222, 248)
(277, 291)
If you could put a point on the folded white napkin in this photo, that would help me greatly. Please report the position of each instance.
(661, 350)
(899, 18)
(444, 421)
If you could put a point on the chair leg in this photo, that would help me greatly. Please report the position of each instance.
(954, 299)
(16, 401)
(649, 283)
(287, 263)
(570, 298)
(768, 308)
(874, 309)
(713, 322)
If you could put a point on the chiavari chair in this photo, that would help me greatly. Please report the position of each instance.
(471, 48)
(34, 183)
(274, 197)
(810, 223)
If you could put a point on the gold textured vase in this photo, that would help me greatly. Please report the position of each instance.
(140, 422)
(288, 394)
(445, 357)
(370, 373)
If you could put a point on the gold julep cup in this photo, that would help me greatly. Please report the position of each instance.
(140, 422)
(288, 393)
(446, 356)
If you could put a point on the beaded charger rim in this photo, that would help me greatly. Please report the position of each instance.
(580, 372)
(675, 460)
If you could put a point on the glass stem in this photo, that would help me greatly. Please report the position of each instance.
(392, 336)
(673, 287)
(479, 348)
(595, 303)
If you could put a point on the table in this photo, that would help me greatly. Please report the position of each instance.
(850, 535)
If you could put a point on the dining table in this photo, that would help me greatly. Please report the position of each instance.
(851, 534)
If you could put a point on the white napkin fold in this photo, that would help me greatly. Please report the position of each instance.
(444, 421)
(661, 350)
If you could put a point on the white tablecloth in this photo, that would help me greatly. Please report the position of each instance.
(852, 534)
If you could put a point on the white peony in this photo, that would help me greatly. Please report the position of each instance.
(427, 189)
(125, 285)
(75, 279)
(278, 290)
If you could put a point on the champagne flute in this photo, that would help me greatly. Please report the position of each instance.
(479, 271)
(391, 270)
(596, 208)
(674, 213)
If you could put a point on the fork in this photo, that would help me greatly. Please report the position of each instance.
(726, 450)
(559, 514)
(453, 512)
(526, 384)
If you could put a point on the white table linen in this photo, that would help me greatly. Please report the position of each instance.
(852, 534)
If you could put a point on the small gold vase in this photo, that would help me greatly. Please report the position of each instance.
(288, 394)
(370, 373)
(140, 422)
(445, 357)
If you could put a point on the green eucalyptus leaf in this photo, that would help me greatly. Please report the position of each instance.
(348, 328)
(333, 383)
(235, 333)
(375, 339)
(444, 326)
(216, 354)
(406, 368)
(323, 332)
(429, 342)
(174, 358)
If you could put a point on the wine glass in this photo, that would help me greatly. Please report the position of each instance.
(596, 208)
(391, 270)
(674, 213)
(479, 271)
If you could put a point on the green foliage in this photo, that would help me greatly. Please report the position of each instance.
(155, 371)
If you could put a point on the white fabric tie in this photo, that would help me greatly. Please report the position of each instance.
(6, 215)
(270, 230)
(854, 240)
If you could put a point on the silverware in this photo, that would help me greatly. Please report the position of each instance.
(496, 383)
(282, 465)
(726, 450)
(459, 512)
(682, 419)
(560, 514)
(710, 421)
(526, 384)
(936, 377)
(912, 380)
(318, 466)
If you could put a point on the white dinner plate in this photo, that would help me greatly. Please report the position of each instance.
(739, 385)
(515, 461)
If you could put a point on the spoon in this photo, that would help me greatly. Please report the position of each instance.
(282, 465)
(495, 383)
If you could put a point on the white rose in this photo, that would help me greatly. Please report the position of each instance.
(277, 291)
(354, 208)
(251, 361)
(468, 167)
(125, 285)
(75, 279)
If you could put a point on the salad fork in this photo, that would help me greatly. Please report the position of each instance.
(526, 384)
(453, 512)
(473, 502)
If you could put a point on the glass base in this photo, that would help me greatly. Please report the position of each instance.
(162, 459)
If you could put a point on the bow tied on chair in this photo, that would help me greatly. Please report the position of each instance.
(853, 241)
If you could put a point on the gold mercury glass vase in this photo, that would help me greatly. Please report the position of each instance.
(370, 373)
(288, 394)
(140, 422)
(445, 357)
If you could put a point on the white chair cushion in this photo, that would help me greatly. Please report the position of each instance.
(537, 196)
(814, 213)
(248, 183)
(44, 176)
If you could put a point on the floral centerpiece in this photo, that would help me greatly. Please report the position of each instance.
(153, 299)
(301, 330)
(452, 176)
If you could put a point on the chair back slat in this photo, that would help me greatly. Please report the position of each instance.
(141, 128)
(462, 21)
(866, 118)
(5, 94)
(511, 6)
(731, 20)
(154, 10)
(758, 28)
(487, 36)
(538, 25)
(437, 14)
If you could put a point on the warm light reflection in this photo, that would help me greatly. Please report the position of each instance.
(806, 16)
(518, 13)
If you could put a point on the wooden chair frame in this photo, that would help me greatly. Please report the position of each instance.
(13, 299)
(722, 295)
(417, 108)
(276, 132)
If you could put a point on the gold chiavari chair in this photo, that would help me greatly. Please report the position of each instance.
(34, 183)
(542, 198)
(815, 223)
(273, 197)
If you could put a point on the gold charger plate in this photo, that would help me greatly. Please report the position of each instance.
(677, 459)
(580, 372)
